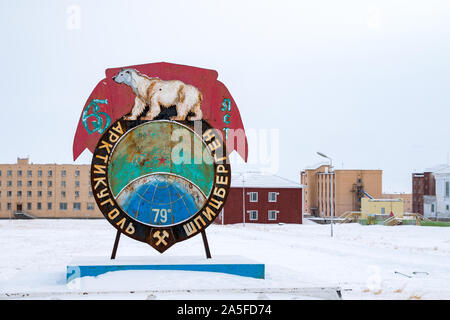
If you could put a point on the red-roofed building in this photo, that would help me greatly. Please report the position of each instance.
(263, 198)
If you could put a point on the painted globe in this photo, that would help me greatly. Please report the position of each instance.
(161, 199)
(161, 173)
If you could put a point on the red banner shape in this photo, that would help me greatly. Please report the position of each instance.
(93, 120)
(111, 100)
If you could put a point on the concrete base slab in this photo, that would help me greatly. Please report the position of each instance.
(307, 293)
(236, 265)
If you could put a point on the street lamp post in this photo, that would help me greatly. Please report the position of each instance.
(331, 190)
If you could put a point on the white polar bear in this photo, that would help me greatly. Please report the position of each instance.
(155, 93)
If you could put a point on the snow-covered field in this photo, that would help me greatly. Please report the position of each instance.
(366, 262)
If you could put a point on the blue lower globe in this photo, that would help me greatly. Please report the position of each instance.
(161, 199)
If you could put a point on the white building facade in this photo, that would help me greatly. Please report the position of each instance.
(438, 206)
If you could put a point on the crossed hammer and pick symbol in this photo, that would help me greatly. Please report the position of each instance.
(161, 236)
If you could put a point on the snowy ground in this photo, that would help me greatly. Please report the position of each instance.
(367, 262)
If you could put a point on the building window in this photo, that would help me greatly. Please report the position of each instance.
(63, 206)
(29, 183)
(49, 194)
(39, 183)
(432, 207)
(19, 183)
(77, 173)
(447, 188)
(0, 183)
(39, 173)
(91, 194)
(63, 173)
(273, 196)
(19, 193)
(76, 206)
(63, 184)
(77, 194)
(9, 205)
(253, 215)
(90, 206)
(49, 183)
(49, 206)
(382, 210)
(9, 183)
(30, 173)
(9, 173)
(63, 194)
(447, 207)
(50, 173)
(29, 206)
(0, 173)
(29, 194)
(273, 215)
(253, 196)
(39, 206)
(39, 194)
(77, 184)
(9, 194)
(19, 173)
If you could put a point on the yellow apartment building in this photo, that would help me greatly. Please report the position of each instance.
(382, 206)
(46, 191)
(348, 187)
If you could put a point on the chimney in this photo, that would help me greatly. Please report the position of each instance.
(22, 161)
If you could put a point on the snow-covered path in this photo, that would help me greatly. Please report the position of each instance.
(367, 262)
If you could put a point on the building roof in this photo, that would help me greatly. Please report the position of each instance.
(261, 180)
(316, 166)
(443, 170)
(440, 168)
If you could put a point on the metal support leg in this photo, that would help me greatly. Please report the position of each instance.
(205, 243)
(116, 244)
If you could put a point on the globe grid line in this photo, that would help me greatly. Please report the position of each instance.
(166, 173)
(189, 211)
(140, 201)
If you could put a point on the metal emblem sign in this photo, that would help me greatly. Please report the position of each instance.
(159, 134)
(150, 196)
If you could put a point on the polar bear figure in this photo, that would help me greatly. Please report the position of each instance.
(155, 93)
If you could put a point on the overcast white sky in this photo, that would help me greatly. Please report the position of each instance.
(366, 82)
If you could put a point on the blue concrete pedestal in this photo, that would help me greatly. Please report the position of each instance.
(236, 265)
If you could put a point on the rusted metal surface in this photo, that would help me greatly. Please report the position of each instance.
(147, 149)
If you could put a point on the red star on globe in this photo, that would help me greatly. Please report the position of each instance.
(162, 160)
